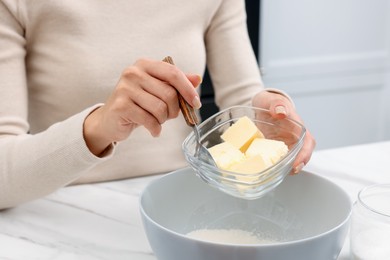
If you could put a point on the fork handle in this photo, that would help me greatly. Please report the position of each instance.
(187, 110)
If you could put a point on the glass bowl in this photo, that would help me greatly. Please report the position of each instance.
(247, 186)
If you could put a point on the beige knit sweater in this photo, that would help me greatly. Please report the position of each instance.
(60, 59)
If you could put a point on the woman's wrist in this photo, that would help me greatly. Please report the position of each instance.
(97, 143)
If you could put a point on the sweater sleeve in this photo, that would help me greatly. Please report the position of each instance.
(230, 57)
(32, 165)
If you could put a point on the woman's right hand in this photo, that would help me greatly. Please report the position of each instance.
(146, 95)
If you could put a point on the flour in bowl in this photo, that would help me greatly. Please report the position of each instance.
(227, 236)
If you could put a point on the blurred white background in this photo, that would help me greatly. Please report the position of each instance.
(333, 58)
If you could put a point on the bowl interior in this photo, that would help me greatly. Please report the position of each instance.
(286, 130)
(300, 207)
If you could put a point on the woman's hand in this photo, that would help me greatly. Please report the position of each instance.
(146, 95)
(281, 107)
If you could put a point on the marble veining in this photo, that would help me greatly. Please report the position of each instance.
(102, 221)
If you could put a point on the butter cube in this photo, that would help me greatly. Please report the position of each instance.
(225, 155)
(249, 165)
(242, 133)
(246, 151)
(270, 150)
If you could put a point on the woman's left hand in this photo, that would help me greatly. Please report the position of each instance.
(280, 107)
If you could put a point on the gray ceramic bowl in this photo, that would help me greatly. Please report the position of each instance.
(304, 218)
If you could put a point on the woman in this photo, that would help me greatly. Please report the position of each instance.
(80, 104)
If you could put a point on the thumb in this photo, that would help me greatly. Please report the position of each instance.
(279, 109)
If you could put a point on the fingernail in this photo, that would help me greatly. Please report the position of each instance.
(200, 79)
(280, 110)
(299, 168)
(196, 103)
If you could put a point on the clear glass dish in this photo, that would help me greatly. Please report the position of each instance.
(239, 185)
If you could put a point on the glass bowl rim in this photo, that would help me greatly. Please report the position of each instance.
(362, 202)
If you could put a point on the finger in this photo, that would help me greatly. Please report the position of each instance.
(304, 154)
(137, 84)
(279, 108)
(195, 79)
(279, 105)
(140, 116)
(151, 103)
(175, 77)
(165, 105)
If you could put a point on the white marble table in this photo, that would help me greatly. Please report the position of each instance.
(102, 221)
